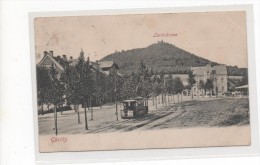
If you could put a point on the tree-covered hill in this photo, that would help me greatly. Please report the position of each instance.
(159, 57)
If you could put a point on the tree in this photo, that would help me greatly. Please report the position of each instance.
(43, 87)
(71, 79)
(128, 87)
(157, 89)
(170, 85)
(85, 83)
(50, 90)
(202, 85)
(136, 84)
(209, 86)
(162, 85)
(143, 88)
(112, 87)
(100, 87)
(178, 86)
(191, 81)
(90, 86)
(244, 80)
(57, 90)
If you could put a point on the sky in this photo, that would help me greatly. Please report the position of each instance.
(217, 36)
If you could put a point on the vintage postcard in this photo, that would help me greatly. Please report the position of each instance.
(142, 81)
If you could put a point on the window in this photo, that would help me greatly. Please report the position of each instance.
(194, 89)
(213, 71)
(222, 88)
(222, 80)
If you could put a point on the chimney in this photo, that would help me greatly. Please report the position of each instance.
(64, 57)
(51, 53)
(58, 57)
(45, 53)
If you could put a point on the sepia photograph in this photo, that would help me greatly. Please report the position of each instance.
(142, 81)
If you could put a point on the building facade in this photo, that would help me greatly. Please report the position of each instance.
(217, 74)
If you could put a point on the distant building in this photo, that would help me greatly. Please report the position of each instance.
(218, 74)
(108, 67)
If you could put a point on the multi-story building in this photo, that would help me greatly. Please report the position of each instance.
(218, 75)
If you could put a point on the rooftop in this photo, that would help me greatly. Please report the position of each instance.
(63, 62)
(200, 71)
(107, 64)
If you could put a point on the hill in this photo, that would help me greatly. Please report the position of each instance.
(159, 57)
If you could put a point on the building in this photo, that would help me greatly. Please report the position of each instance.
(60, 63)
(218, 74)
(108, 67)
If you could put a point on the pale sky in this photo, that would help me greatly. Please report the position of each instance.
(217, 36)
